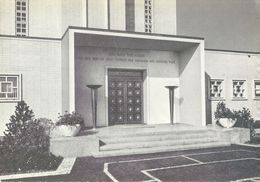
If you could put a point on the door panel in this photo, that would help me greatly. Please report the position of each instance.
(125, 98)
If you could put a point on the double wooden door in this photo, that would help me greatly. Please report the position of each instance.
(125, 97)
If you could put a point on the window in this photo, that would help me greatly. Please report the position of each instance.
(257, 88)
(21, 18)
(239, 89)
(130, 15)
(216, 89)
(148, 11)
(10, 87)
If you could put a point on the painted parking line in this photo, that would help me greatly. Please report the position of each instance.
(132, 170)
(195, 160)
(200, 163)
(172, 174)
(155, 160)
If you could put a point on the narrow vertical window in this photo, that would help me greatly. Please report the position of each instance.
(130, 15)
(21, 27)
(148, 16)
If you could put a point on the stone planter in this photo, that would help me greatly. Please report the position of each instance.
(227, 122)
(65, 130)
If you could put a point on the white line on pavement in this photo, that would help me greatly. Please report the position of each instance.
(195, 160)
(150, 176)
(197, 164)
(108, 173)
(174, 156)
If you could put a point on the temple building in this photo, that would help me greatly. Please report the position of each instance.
(51, 50)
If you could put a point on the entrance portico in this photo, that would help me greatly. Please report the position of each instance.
(134, 69)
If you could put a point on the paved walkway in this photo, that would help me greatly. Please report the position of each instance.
(215, 164)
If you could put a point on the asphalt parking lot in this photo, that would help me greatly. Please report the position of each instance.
(214, 164)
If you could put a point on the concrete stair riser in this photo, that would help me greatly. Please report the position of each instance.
(159, 149)
(133, 139)
(152, 144)
(152, 133)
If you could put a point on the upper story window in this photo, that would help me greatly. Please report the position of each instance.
(21, 25)
(239, 89)
(130, 15)
(216, 89)
(257, 88)
(148, 16)
(10, 86)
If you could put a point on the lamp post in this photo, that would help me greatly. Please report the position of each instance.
(171, 99)
(94, 95)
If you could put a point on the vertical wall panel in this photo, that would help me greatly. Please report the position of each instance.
(191, 92)
(164, 16)
(97, 14)
(45, 18)
(7, 17)
(139, 15)
(72, 13)
(117, 14)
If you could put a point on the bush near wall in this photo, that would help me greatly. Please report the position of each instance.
(25, 145)
(243, 117)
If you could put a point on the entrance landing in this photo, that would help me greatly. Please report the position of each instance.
(122, 130)
(140, 139)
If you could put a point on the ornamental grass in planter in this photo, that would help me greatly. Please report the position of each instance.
(68, 125)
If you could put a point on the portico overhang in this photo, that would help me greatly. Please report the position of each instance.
(190, 52)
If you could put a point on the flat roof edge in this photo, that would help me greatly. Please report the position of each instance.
(232, 51)
(133, 33)
(29, 37)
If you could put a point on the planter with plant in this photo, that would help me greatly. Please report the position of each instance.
(224, 116)
(68, 125)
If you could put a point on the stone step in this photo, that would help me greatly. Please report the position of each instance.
(152, 133)
(157, 137)
(151, 144)
(159, 149)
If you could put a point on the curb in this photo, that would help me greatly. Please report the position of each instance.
(249, 145)
(64, 168)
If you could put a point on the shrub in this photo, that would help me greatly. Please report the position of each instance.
(70, 119)
(25, 145)
(245, 120)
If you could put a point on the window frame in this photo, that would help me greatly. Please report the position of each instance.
(244, 87)
(222, 87)
(254, 88)
(21, 18)
(18, 87)
(148, 16)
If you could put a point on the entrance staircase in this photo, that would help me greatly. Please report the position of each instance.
(152, 140)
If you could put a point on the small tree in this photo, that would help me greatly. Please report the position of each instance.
(18, 121)
(25, 145)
